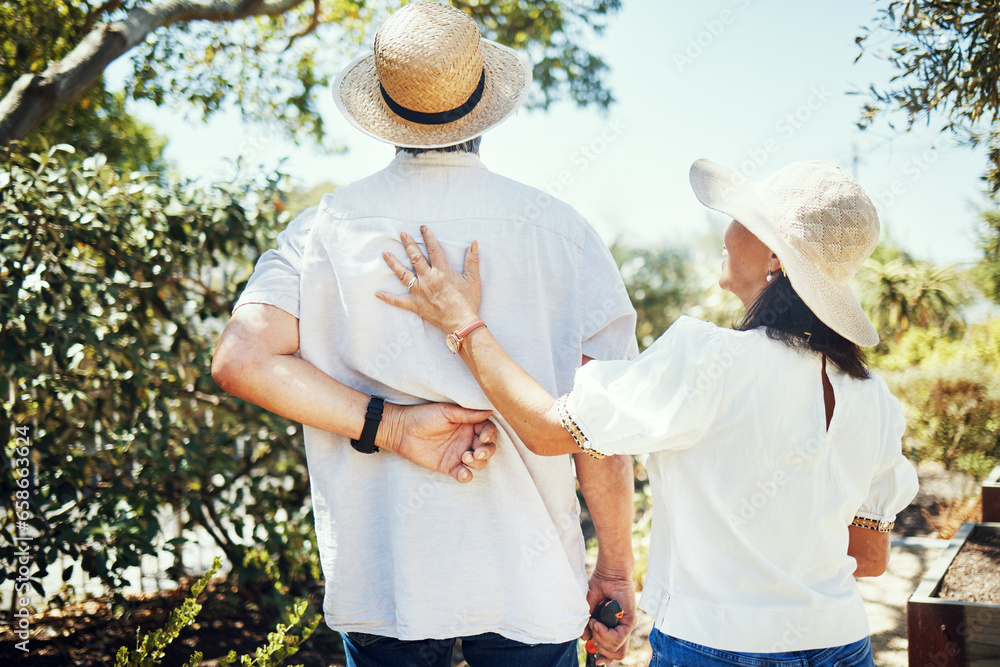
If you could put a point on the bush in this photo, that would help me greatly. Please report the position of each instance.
(115, 288)
(150, 648)
(951, 392)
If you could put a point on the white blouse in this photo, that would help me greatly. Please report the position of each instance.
(752, 495)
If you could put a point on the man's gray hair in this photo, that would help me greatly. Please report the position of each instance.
(470, 146)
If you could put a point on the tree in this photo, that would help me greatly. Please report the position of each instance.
(987, 272)
(898, 292)
(937, 294)
(96, 122)
(947, 60)
(948, 65)
(659, 285)
(886, 295)
(267, 57)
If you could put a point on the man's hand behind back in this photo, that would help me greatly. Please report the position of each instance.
(442, 437)
(256, 361)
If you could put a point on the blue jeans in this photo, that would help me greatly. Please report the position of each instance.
(488, 650)
(672, 652)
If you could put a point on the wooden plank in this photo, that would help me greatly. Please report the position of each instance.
(934, 634)
(976, 651)
(931, 582)
(951, 633)
(991, 502)
(991, 496)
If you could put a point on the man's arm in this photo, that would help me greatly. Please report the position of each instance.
(608, 490)
(255, 361)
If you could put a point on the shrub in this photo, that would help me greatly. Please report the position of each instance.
(114, 290)
(951, 392)
(149, 650)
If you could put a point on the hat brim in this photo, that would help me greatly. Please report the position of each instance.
(729, 192)
(357, 94)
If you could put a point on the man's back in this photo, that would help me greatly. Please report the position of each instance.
(406, 552)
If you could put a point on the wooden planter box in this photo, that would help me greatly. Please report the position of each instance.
(991, 497)
(946, 633)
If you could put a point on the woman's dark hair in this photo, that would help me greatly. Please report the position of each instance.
(786, 318)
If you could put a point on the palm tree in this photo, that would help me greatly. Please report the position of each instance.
(937, 293)
(901, 292)
(886, 294)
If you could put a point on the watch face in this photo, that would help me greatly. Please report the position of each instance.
(453, 343)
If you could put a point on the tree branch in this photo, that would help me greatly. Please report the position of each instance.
(34, 97)
(313, 24)
(94, 14)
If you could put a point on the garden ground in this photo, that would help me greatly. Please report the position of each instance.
(82, 636)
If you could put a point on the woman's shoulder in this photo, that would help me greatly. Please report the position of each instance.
(691, 329)
(698, 342)
(875, 387)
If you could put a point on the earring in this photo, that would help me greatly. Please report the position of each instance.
(769, 277)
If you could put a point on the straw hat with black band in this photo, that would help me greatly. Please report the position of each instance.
(433, 81)
(817, 220)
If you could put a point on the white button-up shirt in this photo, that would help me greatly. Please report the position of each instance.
(752, 495)
(407, 552)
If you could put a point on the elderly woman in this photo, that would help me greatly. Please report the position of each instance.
(775, 454)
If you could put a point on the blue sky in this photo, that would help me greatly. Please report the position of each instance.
(753, 84)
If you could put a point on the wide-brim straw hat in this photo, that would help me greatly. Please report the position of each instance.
(432, 80)
(817, 220)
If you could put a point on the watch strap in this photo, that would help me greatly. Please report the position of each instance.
(458, 335)
(366, 443)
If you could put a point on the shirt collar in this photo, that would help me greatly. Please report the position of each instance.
(438, 159)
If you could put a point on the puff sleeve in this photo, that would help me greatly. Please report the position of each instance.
(664, 399)
(894, 483)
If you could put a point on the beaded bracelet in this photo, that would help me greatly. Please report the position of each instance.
(871, 524)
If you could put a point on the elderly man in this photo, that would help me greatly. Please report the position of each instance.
(413, 559)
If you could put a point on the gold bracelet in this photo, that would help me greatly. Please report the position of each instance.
(871, 524)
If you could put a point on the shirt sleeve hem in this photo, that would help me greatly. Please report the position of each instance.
(570, 424)
(286, 303)
(874, 520)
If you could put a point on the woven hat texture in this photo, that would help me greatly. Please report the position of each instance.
(819, 222)
(430, 58)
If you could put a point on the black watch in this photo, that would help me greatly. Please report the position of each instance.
(366, 444)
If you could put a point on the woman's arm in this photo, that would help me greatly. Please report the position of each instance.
(870, 548)
(449, 300)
